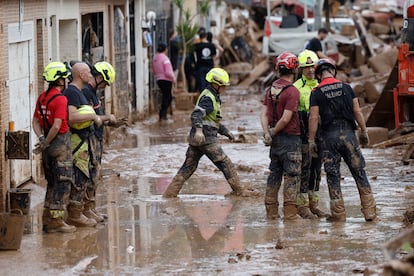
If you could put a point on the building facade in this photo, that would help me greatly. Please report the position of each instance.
(34, 33)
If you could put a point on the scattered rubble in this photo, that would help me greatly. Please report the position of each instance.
(367, 60)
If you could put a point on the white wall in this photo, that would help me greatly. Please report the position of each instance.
(142, 62)
(62, 10)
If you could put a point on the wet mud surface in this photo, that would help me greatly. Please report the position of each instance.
(202, 232)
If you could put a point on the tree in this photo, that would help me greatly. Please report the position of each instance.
(186, 30)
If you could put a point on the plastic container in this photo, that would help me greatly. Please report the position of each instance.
(11, 230)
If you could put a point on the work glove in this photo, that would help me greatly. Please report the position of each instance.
(112, 118)
(267, 138)
(118, 123)
(199, 137)
(229, 135)
(363, 138)
(41, 145)
(313, 149)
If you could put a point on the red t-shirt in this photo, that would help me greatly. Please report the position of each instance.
(57, 108)
(289, 100)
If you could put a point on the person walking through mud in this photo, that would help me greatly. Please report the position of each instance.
(81, 120)
(163, 71)
(308, 196)
(103, 75)
(280, 123)
(335, 103)
(203, 139)
(50, 124)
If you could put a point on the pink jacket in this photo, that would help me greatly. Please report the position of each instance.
(162, 67)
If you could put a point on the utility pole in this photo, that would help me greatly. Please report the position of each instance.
(317, 13)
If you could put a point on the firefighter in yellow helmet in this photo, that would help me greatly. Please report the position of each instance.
(308, 197)
(82, 143)
(203, 140)
(50, 124)
(103, 75)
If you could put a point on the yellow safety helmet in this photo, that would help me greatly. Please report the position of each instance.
(84, 109)
(106, 70)
(307, 58)
(218, 76)
(54, 71)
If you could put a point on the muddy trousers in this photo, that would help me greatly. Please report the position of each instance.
(285, 156)
(302, 198)
(289, 196)
(343, 143)
(57, 165)
(308, 198)
(95, 146)
(314, 182)
(76, 202)
(194, 153)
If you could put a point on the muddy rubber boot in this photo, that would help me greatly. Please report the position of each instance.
(337, 211)
(272, 211)
(45, 218)
(303, 207)
(238, 190)
(290, 213)
(175, 187)
(90, 212)
(271, 202)
(313, 205)
(53, 222)
(77, 218)
(368, 205)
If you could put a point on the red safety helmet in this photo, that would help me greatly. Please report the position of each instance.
(286, 60)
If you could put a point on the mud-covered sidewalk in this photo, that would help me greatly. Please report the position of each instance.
(202, 232)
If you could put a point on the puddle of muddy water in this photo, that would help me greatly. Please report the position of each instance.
(202, 231)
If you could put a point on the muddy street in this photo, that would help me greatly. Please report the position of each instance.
(203, 232)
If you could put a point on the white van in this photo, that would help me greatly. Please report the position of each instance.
(277, 40)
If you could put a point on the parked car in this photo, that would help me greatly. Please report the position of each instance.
(277, 40)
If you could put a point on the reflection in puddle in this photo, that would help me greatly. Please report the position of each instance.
(141, 140)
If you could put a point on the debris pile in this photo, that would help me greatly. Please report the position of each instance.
(366, 58)
(366, 52)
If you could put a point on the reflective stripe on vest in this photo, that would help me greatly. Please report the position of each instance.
(210, 123)
(212, 118)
